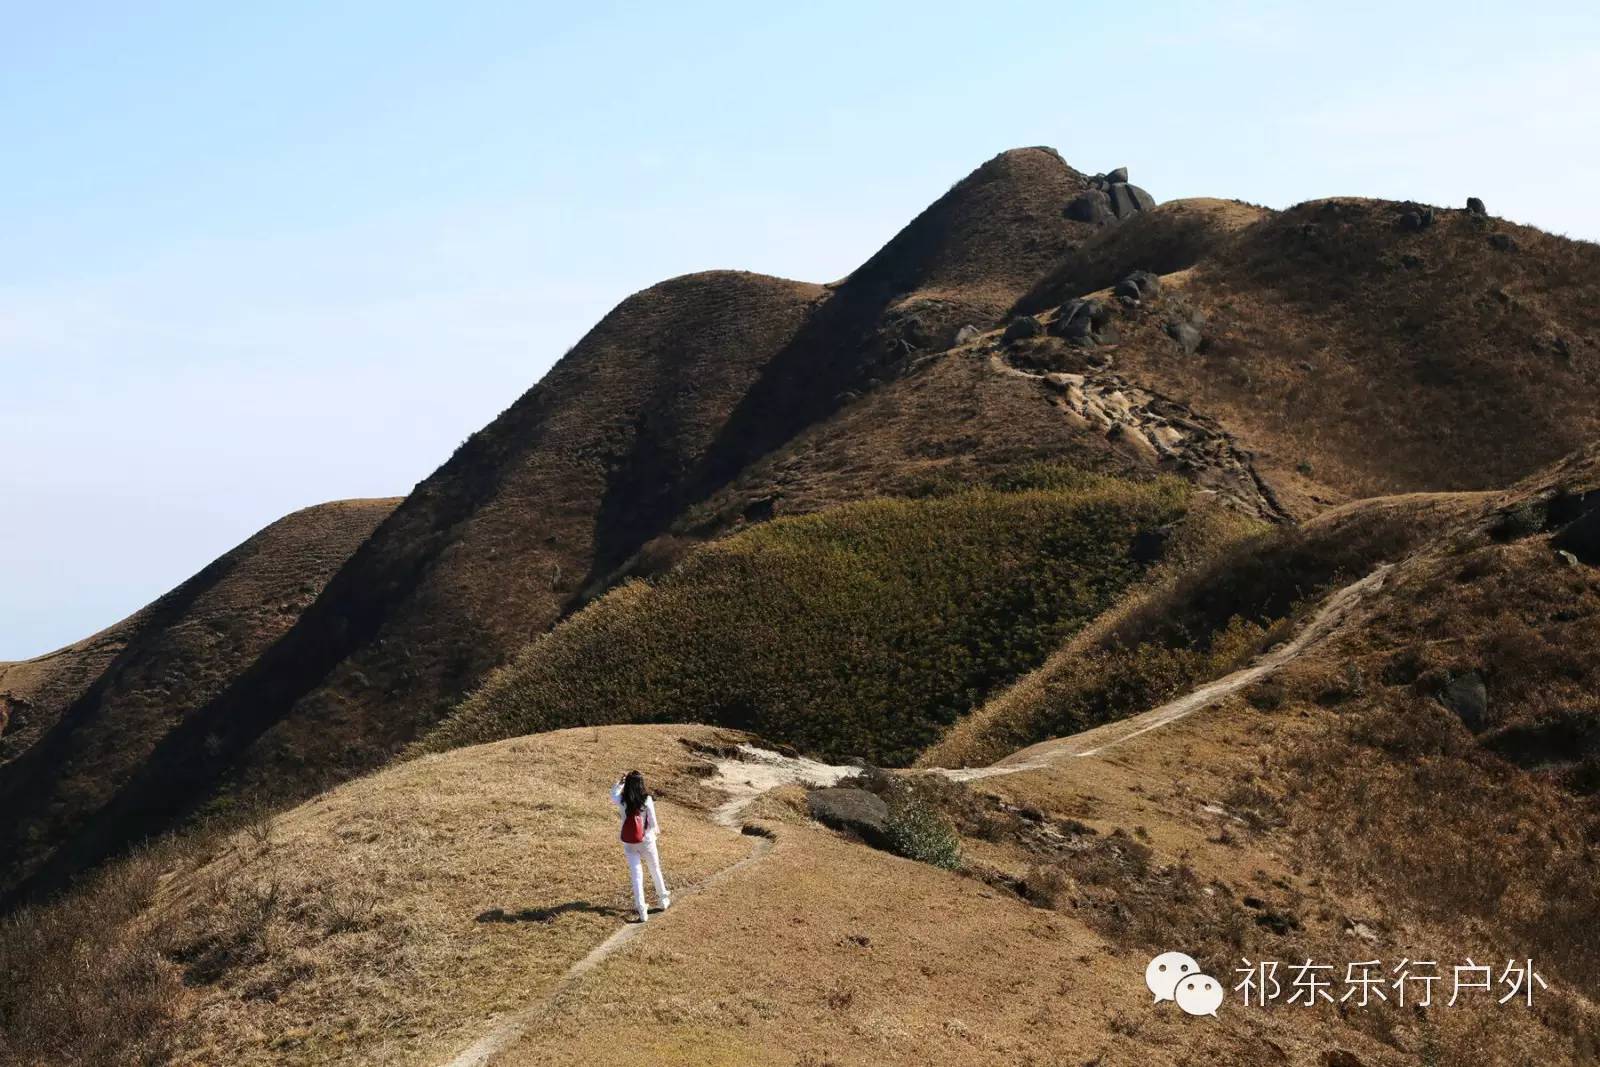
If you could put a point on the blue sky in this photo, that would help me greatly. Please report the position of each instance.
(258, 256)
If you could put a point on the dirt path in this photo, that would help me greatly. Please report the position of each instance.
(1334, 610)
(744, 779)
(756, 771)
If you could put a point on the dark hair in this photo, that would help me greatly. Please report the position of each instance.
(633, 794)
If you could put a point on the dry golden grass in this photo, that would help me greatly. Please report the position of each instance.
(385, 922)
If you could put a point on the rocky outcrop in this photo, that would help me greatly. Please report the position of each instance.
(1021, 328)
(1156, 430)
(853, 810)
(1109, 198)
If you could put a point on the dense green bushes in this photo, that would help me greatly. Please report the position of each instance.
(864, 630)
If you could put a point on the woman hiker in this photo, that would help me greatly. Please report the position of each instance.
(639, 832)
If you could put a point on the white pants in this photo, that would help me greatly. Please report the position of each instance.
(638, 855)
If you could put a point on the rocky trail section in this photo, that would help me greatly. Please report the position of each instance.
(1071, 357)
(1156, 429)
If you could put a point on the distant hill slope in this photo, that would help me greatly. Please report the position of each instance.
(1290, 361)
(34, 692)
(1358, 352)
(863, 631)
(97, 709)
(668, 398)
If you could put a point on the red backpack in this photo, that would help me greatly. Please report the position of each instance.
(633, 827)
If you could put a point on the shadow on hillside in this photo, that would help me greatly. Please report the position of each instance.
(543, 915)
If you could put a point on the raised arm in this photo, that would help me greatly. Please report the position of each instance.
(616, 794)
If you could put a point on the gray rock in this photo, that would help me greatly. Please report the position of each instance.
(967, 333)
(1128, 200)
(1137, 287)
(1076, 320)
(1581, 538)
(1475, 206)
(1023, 326)
(1187, 336)
(853, 810)
(1118, 175)
(1416, 217)
(1468, 697)
(1092, 206)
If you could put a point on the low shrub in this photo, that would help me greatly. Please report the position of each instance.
(918, 831)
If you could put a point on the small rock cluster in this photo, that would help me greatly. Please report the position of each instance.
(1084, 322)
(1109, 198)
(1416, 217)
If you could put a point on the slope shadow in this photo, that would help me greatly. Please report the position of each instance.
(543, 915)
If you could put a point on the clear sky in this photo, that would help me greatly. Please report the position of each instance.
(262, 255)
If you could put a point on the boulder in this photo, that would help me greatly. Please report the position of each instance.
(967, 333)
(1118, 175)
(853, 810)
(1076, 320)
(1187, 336)
(1073, 328)
(1137, 287)
(1475, 206)
(1581, 538)
(1022, 327)
(1129, 200)
(1416, 217)
(1092, 206)
(1468, 697)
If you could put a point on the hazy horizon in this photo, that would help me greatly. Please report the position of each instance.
(261, 261)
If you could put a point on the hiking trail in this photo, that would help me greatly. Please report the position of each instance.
(755, 771)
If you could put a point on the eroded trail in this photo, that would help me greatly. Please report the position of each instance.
(745, 779)
(756, 771)
(1334, 610)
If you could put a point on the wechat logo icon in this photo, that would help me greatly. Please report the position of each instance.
(1175, 976)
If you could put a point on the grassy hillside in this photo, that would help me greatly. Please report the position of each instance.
(1359, 357)
(1347, 349)
(168, 661)
(672, 395)
(1511, 788)
(1205, 612)
(864, 630)
(1172, 237)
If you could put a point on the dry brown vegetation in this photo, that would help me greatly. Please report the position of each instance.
(1492, 823)
(382, 923)
(1359, 359)
(1228, 590)
(165, 662)
(1173, 237)
(863, 630)
(670, 397)
(1334, 809)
